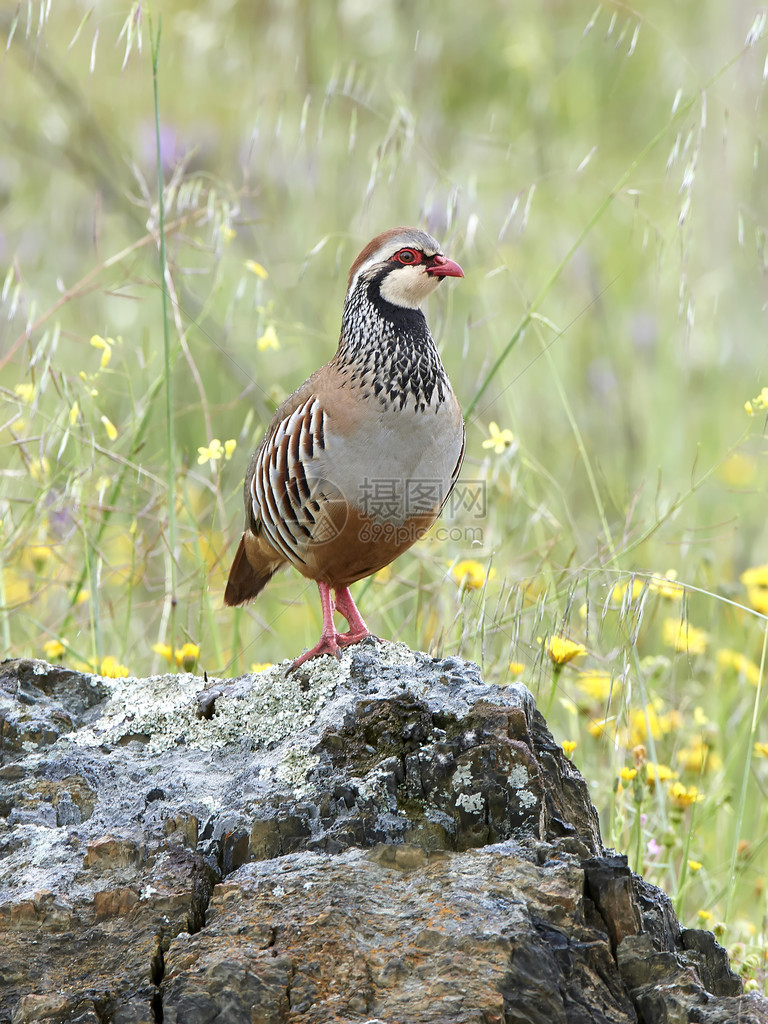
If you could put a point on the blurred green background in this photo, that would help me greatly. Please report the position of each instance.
(599, 174)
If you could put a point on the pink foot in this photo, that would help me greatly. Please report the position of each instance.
(330, 641)
(348, 638)
(357, 628)
(327, 645)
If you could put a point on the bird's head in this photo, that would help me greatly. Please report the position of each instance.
(407, 263)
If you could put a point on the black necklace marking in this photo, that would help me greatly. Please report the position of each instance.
(388, 350)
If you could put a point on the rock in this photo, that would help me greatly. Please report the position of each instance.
(384, 838)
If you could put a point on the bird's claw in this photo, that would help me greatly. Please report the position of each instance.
(329, 646)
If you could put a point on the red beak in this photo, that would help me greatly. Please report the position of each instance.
(442, 267)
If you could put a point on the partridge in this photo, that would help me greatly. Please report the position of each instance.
(357, 464)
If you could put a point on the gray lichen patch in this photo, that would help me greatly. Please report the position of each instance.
(519, 780)
(473, 803)
(259, 710)
(294, 768)
(164, 711)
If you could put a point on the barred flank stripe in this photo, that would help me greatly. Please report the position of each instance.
(280, 488)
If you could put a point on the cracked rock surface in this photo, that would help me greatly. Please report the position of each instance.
(382, 839)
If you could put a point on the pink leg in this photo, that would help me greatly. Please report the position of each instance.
(328, 639)
(357, 628)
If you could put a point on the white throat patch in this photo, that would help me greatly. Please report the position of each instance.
(408, 286)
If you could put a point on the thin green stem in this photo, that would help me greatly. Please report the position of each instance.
(637, 824)
(683, 876)
(556, 672)
(4, 618)
(745, 780)
(169, 404)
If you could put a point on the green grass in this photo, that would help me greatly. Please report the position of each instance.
(600, 176)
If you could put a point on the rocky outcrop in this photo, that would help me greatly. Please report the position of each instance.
(386, 838)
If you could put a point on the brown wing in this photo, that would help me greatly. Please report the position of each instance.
(279, 506)
(287, 499)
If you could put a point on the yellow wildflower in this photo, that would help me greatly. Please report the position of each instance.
(227, 233)
(738, 470)
(683, 796)
(53, 649)
(499, 440)
(561, 650)
(112, 669)
(695, 865)
(761, 749)
(597, 728)
(257, 269)
(471, 575)
(757, 576)
(698, 757)
(761, 402)
(110, 427)
(756, 582)
(105, 344)
(684, 637)
(740, 663)
(229, 448)
(597, 685)
(516, 668)
(164, 650)
(39, 554)
(667, 586)
(268, 340)
(700, 716)
(187, 655)
(660, 772)
(705, 915)
(26, 392)
(74, 412)
(39, 468)
(758, 598)
(651, 720)
(569, 746)
(627, 774)
(261, 666)
(211, 453)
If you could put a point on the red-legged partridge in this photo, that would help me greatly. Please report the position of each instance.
(358, 462)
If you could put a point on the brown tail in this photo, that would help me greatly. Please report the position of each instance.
(244, 581)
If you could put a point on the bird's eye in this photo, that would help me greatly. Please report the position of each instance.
(407, 256)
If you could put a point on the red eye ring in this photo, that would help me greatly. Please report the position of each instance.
(408, 257)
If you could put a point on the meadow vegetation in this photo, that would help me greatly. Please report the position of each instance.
(600, 175)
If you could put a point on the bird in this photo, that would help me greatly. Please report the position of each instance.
(357, 464)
